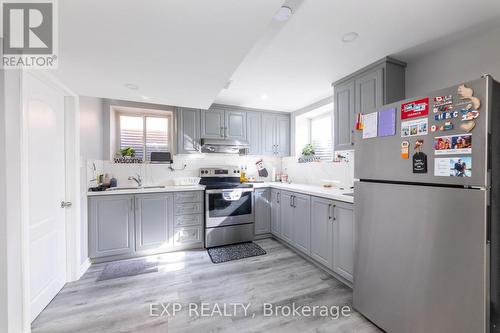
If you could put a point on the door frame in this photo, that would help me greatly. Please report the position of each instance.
(72, 180)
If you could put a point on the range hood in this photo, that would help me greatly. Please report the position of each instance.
(221, 146)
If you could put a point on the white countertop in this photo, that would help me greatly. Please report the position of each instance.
(315, 190)
(149, 190)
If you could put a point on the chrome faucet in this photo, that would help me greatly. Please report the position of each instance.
(137, 179)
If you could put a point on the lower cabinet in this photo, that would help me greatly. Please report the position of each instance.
(111, 225)
(262, 211)
(276, 212)
(130, 225)
(153, 221)
(318, 227)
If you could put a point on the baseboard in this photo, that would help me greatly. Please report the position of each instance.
(83, 267)
(262, 236)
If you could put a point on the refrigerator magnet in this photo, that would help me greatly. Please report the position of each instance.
(447, 126)
(419, 162)
(469, 114)
(442, 108)
(468, 125)
(467, 94)
(446, 115)
(405, 149)
(434, 128)
(415, 109)
(443, 100)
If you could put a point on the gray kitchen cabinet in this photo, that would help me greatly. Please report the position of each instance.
(188, 131)
(343, 240)
(254, 132)
(276, 212)
(322, 231)
(154, 221)
(124, 226)
(212, 123)
(235, 125)
(301, 224)
(380, 83)
(262, 211)
(344, 116)
(111, 225)
(276, 134)
(287, 217)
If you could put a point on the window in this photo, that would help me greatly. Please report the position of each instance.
(145, 133)
(321, 137)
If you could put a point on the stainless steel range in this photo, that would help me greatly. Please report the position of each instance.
(229, 207)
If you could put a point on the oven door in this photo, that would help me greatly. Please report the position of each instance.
(229, 207)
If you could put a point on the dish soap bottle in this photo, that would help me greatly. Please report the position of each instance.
(243, 177)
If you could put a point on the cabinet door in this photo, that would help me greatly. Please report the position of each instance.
(283, 135)
(111, 225)
(154, 221)
(276, 213)
(212, 124)
(262, 211)
(235, 125)
(287, 217)
(344, 114)
(343, 240)
(322, 231)
(369, 91)
(269, 134)
(254, 132)
(188, 131)
(301, 222)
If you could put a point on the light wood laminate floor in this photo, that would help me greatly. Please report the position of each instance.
(280, 277)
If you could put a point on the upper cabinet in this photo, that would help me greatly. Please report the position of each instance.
(380, 83)
(276, 134)
(267, 133)
(218, 123)
(188, 130)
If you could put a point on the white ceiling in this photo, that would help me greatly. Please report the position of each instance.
(295, 63)
(179, 52)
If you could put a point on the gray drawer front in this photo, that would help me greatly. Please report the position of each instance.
(187, 235)
(188, 208)
(190, 196)
(188, 220)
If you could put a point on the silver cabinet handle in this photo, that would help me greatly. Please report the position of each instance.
(278, 196)
(330, 212)
(66, 204)
(225, 132)
(293, 201)
(352, 141)
(291, 205)
(333, 212)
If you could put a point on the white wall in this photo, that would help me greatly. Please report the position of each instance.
(3, 217)
(450, 61)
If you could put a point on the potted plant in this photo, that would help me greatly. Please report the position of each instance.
(307, 154)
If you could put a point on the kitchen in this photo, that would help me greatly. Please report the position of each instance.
(307, 174)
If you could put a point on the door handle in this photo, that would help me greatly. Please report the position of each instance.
(333, 212)
(330, 212)
(352, 142)
(291, 205)
(66, 204)
(293, 201)
(278, 195)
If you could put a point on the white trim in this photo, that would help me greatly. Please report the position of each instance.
(72, 156)
(84, 267)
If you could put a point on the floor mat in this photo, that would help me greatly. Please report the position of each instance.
(234, 252)
(127, 268)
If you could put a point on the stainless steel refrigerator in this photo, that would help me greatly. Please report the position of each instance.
(427, 241)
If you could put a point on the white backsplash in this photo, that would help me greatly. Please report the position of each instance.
(318, 173)
(314, 173)
(160, 174)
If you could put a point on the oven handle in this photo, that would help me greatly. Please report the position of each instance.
(228, 190)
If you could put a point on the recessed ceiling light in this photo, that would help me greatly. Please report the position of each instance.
(350, 37)
(283, 14)
(264, 96)
(131, 86)
(145, 97)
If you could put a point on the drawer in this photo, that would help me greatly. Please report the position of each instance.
(188, 220)
(191, 196)
(187, 235)
(188, 208)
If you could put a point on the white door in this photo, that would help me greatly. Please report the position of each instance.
(44, 111)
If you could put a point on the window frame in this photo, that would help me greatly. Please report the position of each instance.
(327, 114)
(144, 113)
